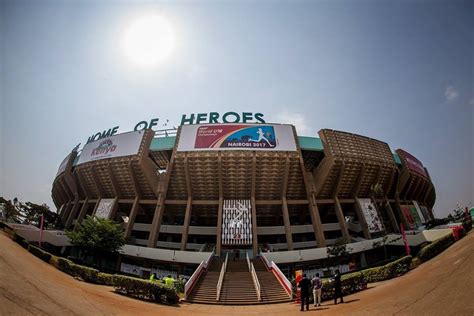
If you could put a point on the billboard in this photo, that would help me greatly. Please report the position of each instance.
(371, 216)
(408, 216)
(125, 144)
(63, 165)
(105, 208)
(271, 137)
(411, 162)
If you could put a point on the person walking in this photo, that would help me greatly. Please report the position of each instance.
(337, 287)
(304, 285)
(317, 286)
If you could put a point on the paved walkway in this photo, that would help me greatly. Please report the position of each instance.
(442, 286)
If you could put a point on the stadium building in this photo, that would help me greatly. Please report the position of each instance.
(243, 189)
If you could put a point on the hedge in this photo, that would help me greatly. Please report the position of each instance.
(350, 283)
(144, 289)
(435, 248)
(38, 252)
(388, 271)
(20, 240)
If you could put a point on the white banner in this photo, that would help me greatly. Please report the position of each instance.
(271, 137)
(420, 213)
(63, 165)
(104, 208)
(125, 144)
(371, 216)
(237, 222)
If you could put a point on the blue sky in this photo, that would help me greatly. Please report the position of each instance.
(398, 71)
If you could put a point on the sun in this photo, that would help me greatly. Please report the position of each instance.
(149, 40)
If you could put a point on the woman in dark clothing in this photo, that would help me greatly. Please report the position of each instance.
(337, 287)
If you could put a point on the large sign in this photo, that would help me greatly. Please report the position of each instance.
(271, 137)
(371, 216)
(63, 165)
(411, 162)
(237, 222)
(408, 216)
(125, 144)
(228, 117)
(104, 208)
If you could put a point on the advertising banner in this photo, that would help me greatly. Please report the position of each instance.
(237, 222)
(272, 137)
(416, 217)
(63, 165)
(105, 208)
(408, 216)
(120, 145)
(371, 216)
(412, 163)
(420, 213)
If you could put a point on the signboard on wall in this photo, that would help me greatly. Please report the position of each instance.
(425, 212)
(416, 217)
(237, 222)
(63, 165)
(411, 162)
(409, 216)
(371, 216)
(105, 208)
(125, 144)
(271, 137)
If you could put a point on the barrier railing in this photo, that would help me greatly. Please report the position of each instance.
(221, 277)
(193, 279)
(256, 283)
(272, 266)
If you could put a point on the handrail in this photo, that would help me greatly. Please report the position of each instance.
(256, 283)
(195, 276)
(221, 277)
(279, 275)
(248, 260)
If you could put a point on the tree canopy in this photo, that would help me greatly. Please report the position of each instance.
(96, 236)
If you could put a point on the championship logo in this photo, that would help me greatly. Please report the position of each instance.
(236, 136)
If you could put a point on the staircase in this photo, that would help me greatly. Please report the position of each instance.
(238, 288)
(271, 289)
(205, 290)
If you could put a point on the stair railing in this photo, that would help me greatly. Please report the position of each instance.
(196, 275)
(221, 277)
(285, 283)
(256, 283)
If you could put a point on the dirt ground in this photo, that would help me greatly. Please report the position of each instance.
(442, 286)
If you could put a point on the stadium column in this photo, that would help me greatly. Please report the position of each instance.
(74, 210)
(254, 205)
(355, 193)
(82, 213)
(391, 215)
(133, 215)
(284, 206)
(221, 205)
(362, 221)
(312, 205)
(160, 205)
(337, 206)
(116, 191)
(189, 205)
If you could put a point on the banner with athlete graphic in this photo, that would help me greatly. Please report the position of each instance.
(272, 137)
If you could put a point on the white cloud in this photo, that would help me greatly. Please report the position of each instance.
(450, 93)
(303, 128)
(471, 102)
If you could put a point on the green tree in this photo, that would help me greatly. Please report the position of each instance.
(10, 213)
(32, 214)
(338, 252)
(97, 237)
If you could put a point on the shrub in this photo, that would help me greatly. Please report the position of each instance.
(435, 248)
(105, 278)
(38, 252)
(65, 265)
(85, 273)
(415, 263)
(388, 271)
(145, 289)
(20, 240)
(351, 283)
(179, 286)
